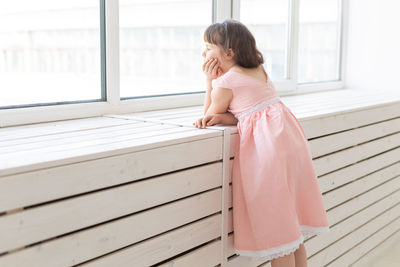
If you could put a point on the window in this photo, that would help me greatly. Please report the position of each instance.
(69, 59)
(317, 50)
(319, 41)
(268, 20)
(49, 52)
(160, 46)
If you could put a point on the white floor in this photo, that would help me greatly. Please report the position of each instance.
(387, 254)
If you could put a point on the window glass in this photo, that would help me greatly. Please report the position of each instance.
(268, 21)
(319, 36)
(49, 51)
(161, 42)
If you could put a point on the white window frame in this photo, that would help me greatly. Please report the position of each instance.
(222, 9)
(290, 86)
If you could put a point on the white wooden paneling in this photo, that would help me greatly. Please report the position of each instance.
(11, 163)
(346, 139)
(329, 255)
(71, 138)
(369, 246)
(165, 246)
(76, 213)
(72, 179)
(207, 255)
(131, 231)
(345, 121)
(147, 188)
(49, 128)
(79, 205)
(354, 154)
(355, 171)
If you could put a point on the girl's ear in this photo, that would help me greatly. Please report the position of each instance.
(230, 53)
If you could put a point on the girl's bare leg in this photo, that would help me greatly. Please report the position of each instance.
(285, 261)
(300, 256)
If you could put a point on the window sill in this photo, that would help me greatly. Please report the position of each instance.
(306, 107)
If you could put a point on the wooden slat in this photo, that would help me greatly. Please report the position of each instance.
(334, 142)
(352, 172)
(351, 103)
(83, 139)
(208, 255)
(362, 201)
(69, 215)
(333, 98)
(132, 230)
(162, 247)
(346, 228)
(45, 140)
(354, 154)
(49, 128)
(327, 102)
(364, 230)
(226, 193)
(84, 142)
(234, 142)
(322, 125)
(351, 190)
(156, 113)
(78, 178)
(382, 246)
(20, 162)
(171, 116)
(389, 231)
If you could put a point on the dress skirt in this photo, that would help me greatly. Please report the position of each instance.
(277, 202)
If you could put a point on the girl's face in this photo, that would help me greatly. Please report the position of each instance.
(224, 61)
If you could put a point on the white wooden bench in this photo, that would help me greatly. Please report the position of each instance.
(149, 189)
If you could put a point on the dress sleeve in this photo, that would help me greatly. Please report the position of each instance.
(222, 82)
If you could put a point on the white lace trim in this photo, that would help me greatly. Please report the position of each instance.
(272, 253)
(285, 249)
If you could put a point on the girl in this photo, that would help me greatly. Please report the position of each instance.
(277, 201)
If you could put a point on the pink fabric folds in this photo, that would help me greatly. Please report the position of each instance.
(277, 201)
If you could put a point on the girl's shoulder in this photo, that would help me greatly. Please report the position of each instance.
(226, 80)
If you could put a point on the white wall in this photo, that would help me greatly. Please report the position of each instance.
(373, 45)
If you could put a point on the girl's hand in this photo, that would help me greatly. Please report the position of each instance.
(211, 69)
(208, 120)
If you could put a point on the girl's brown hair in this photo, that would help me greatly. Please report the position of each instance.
(233, 34)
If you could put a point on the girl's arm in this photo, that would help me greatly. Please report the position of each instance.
(228, 118)
(207, 100)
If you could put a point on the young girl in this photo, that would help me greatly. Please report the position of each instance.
(277, 201)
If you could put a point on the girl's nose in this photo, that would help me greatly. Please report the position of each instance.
(203, 54)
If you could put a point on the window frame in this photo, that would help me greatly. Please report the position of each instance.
(290, 86)
(222, 9)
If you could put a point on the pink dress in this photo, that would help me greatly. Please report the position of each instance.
(277, 202)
